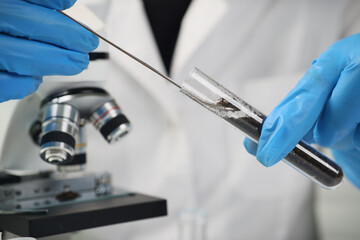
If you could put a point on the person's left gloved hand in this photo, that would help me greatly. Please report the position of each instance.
(323, 108)
(37, 41)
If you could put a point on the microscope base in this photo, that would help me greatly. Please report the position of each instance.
(85, 215)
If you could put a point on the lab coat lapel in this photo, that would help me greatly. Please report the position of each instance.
(134, 34)
(131, 31)
(199, 21)
(201, 40)
(208, 39)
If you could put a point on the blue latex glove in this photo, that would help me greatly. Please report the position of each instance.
(323, 108)
(36, 41)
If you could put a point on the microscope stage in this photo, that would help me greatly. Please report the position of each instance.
(85, 215)
(75, 201)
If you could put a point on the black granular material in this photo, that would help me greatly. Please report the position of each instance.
(67, 196)
(303, 157)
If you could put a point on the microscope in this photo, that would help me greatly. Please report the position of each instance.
(43, 203)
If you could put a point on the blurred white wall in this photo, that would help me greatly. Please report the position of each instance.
(338, 212)
(6, 111)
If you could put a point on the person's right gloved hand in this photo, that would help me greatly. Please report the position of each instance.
(323, 108)
(36, 41)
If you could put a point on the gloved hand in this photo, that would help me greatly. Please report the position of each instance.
(323, 108)
(36, 41)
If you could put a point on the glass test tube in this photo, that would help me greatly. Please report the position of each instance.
(304, 158)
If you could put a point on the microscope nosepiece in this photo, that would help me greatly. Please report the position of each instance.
(60, 125)
(110, 121)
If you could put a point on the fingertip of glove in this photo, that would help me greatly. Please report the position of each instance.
(267, 157)
(68, 4)
(30, 85)
(63, 4)
(16, 86)
(267, 151)
(67, 63)
(54, 4)
(85, 41)
(250, 146)
(262, 156)
(269, 128)
(94, 42)
(80, 63)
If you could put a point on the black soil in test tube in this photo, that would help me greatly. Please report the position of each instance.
(304, 158)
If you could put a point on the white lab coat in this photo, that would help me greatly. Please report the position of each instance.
(190, 157)
(182, 152)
